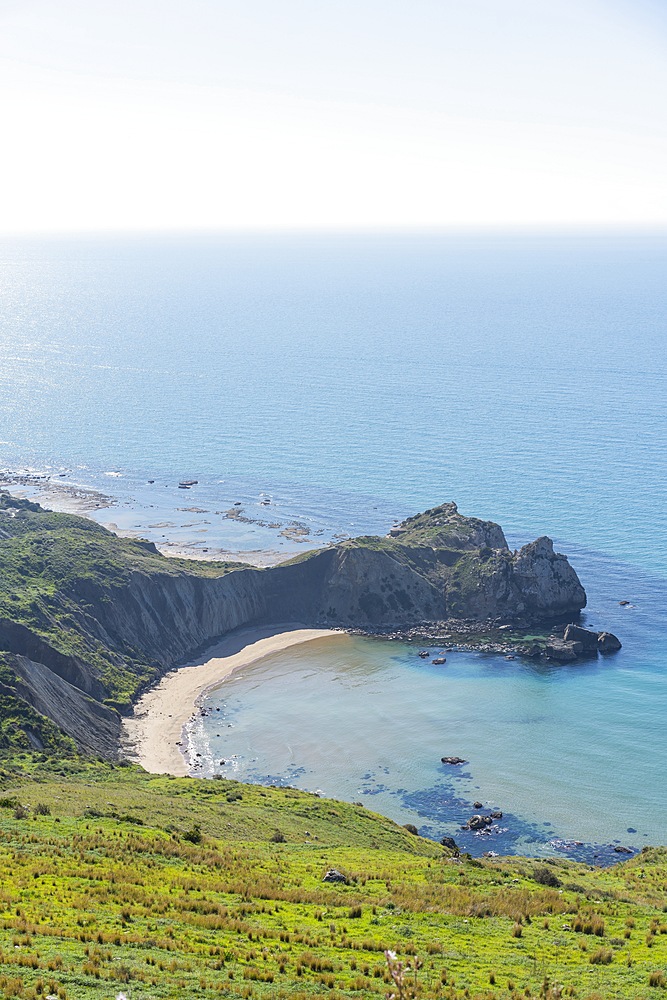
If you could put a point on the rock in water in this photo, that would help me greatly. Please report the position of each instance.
(478, 823)
(608, 643)
(564, 652)
(545, 581)
(588, 640)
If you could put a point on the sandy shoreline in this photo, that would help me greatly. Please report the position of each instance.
(151, 736)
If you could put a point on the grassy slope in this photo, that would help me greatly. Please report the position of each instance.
(46, 560)
(106, 893)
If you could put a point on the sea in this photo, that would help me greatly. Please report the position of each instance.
(261, 394)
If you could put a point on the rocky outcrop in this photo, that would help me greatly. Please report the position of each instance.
(333, 875)
(440, 565)
(478, 822)
(563, 652)
(419, 576)
(608, 643)
(588, 641)
(592, 642)
(545, 582)
(577, 641)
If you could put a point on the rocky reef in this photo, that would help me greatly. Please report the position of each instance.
(88, 620)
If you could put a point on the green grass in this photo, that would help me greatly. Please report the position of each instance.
(54, 568)
(104, 890)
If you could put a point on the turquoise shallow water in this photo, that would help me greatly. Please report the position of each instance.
(573, 753)
(351, 380)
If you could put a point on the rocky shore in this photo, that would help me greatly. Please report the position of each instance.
(561, 643)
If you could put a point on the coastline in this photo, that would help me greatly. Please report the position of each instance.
(221, 535)
(151, 737)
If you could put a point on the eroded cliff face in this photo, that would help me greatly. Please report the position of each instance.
(105, 626)
(440, 565)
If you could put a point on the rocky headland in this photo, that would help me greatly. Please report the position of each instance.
(89, 620)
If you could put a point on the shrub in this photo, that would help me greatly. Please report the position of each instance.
(546, 877)
(42, 809)
(194, 834)
(278, 837)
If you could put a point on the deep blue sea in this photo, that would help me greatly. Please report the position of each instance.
(322, 385)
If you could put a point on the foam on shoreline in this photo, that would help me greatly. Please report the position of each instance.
(153, 736)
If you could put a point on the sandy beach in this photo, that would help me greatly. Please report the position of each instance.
(151, 737)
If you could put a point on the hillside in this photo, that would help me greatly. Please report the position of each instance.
(115, 880)
(88, 620)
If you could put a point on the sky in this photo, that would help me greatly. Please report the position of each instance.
(265, 114)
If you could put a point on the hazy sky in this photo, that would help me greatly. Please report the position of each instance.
(173, 114)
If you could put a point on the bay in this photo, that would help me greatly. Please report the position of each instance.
(329, 384)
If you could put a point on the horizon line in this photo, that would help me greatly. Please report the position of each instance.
(518, 228)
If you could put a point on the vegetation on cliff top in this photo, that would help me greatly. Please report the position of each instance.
(118, 881)
(48, 564)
